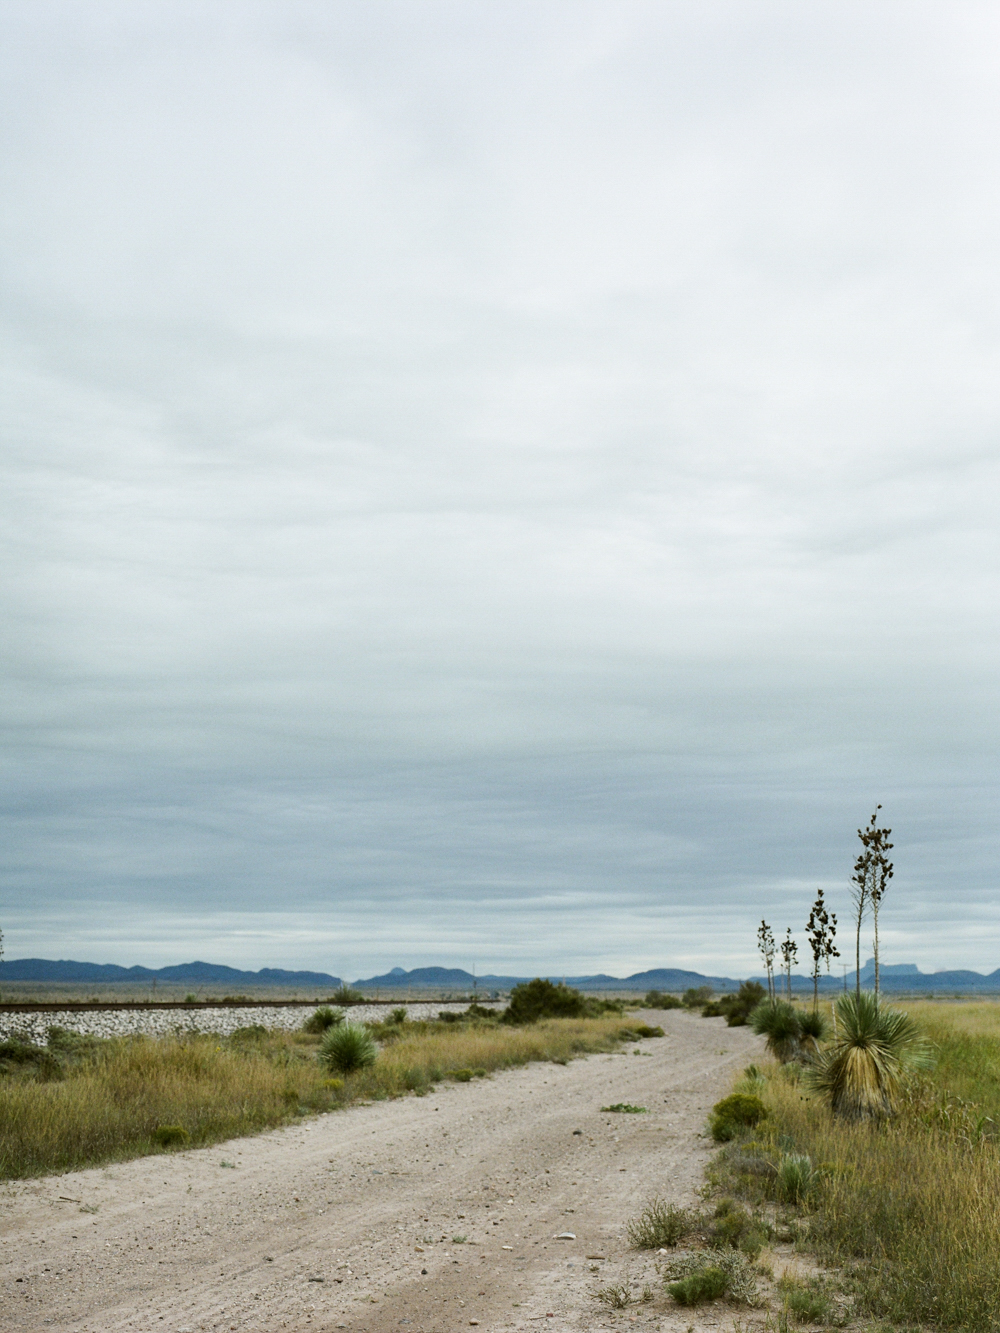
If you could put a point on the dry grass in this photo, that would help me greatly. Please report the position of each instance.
(910, 1205)
(114, 1096)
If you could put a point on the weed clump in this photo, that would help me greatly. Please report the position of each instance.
(347, 1048)
(324, 1017)
(706, 1277)
(171, 1136)
(735, 1229)
(659, 1226)
(626, 1108)
(706, 1284)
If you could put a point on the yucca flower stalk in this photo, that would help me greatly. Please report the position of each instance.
(861, 1071)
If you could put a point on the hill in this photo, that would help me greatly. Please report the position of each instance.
(203, 974)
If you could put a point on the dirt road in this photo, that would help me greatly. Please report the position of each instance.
(434, 1213)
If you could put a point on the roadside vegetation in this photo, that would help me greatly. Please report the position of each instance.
(82, 1101)
(883, 1148)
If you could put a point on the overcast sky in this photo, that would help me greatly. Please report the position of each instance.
(508, 484)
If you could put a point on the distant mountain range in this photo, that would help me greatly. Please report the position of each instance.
(199, 974)
(893, 977)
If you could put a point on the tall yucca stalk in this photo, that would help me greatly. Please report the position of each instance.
(860, 1072)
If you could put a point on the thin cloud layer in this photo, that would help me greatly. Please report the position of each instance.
(510, 486)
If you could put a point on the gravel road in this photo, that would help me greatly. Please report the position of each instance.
(426, 1214)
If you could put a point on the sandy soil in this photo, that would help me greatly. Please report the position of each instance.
(352, 1220)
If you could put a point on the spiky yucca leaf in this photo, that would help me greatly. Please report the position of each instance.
(779, 1023)
(860, 1072)
(347, 1047)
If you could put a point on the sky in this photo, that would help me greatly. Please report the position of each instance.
(502, 485)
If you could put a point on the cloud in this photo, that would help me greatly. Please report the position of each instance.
(511, 486)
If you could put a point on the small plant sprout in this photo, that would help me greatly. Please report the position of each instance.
(821, 929)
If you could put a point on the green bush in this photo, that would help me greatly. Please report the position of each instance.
(347, 1048)
(658, 999)
(736, 1009)
(532, 1000)
(642, 1031)
(398, 1015)
(707, 1284)
(345, 995)
(696, 996)
(660, 1225)
(738, 1111)
(735, 1229)
(171, 1136)
(322, 1019)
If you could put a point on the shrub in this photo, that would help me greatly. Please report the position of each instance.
(657, 999)
(741, 1108)
(345, 995)
(449, 1016)
(659, 1225)
(696, 1278)
(532, 1000)
(348, 1047)
(735, 1229)
(734, 1113)
(323, 1018)
(736, 1009)
(25, 1056)
(626, 1108)
(707, 1284)
(462, 1075)
(860, 1073)
(398, 1015)
(256, 1032)
(696, 996)
(778, 1021)
(643, 1031)
(171, 1136)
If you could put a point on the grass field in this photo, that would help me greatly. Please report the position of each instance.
(911, 1206)
(90, 1102)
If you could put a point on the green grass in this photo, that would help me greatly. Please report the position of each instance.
(83, 1102)
(910, 1206)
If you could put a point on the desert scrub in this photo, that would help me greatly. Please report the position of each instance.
(907, 1203)
(660, 1225)
(110, 1098)
(695, 1278)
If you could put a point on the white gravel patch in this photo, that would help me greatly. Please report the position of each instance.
(164, 1022)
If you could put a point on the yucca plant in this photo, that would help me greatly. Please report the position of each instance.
(860, 1072)
(347, 1047)
(813, 1028)
(778, 1021)
(323, 1018)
